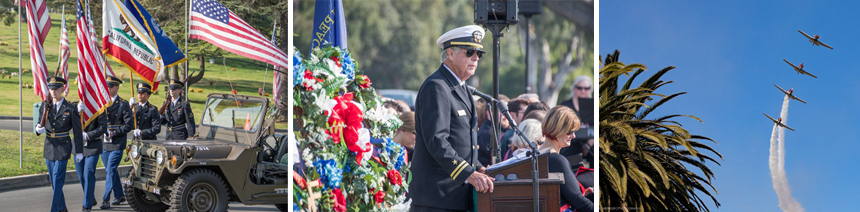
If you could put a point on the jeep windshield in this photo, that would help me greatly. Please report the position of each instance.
(231, 113)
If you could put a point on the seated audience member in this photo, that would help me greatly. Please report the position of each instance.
(405, 135)
(532, 130)
(558, 128)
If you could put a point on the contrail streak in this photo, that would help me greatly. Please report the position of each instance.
(777, 165)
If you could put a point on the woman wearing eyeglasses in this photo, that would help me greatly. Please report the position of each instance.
(581, 89)
(558, 128)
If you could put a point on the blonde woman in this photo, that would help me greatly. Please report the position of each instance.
(558, 128)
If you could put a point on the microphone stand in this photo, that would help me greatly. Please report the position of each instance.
(504, 109)
(532, 146)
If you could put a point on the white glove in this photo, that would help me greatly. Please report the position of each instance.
(81, 107)
(131, 102)
(136, 132)
(40, 129)
(86, 137)
(109, 134)
(79, 157)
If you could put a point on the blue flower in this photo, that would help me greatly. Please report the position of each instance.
(298, 68)
(348, 66)
(329, 173)
(395, 153)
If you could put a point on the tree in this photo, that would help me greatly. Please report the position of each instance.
(643, 160)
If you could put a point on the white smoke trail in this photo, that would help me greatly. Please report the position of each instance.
(777, 165)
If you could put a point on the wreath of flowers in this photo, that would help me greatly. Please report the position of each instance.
(339, 112)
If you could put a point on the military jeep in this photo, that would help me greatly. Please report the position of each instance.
(235, 157)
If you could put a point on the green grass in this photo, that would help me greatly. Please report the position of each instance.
(246, 79)
(34, 162)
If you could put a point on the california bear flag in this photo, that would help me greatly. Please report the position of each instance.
(126, 42)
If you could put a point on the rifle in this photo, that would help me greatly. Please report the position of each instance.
(167, 96)
(47, 108)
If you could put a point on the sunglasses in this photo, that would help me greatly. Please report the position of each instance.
(469, 53)
(583, 88)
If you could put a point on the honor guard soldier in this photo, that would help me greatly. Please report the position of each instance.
(61, 122)
(446, 168)
(120, 122)
(86, 160)
(177, 114)
(148, 122)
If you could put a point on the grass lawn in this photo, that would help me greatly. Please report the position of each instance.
(246, 78)
(34, 162)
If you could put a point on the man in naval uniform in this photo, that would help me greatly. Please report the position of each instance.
(446, 168)
(148, 120)
(120, 123)
(63, 122)
(178, 116)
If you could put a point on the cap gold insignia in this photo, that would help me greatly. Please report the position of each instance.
(53, 80)
(477, 36)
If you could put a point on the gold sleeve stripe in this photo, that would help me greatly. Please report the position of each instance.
(458, 169)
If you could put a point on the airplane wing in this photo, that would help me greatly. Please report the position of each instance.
(807, 36)
(783, 91)
(792, 65)
(825, 45)
(777, 123)
(771, 118)
(795, 98)
(783, 125)
(807, 73)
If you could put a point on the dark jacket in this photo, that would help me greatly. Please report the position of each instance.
(446, 150)
(94, 130)
(148, 120)
(570, 192)
(179, 120)
(61, 126)
(120, 123)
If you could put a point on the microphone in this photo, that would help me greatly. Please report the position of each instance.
(499, 104)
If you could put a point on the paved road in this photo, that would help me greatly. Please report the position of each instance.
(39, 199)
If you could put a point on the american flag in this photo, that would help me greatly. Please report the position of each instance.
(91, 82)
(38, 25)
(64, 53)
(211, 21)
(276, 82)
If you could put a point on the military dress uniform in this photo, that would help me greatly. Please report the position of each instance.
(119, 123)
(178, 116)
(92, 148)
(148, 120)
(446, 148)
(62, 139)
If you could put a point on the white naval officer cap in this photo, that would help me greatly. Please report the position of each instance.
(468, 37)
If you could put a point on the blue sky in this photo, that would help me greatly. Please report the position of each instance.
(728, 55)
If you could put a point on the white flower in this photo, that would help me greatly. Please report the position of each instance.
(336, 70)
(325, 103)
(308, 157)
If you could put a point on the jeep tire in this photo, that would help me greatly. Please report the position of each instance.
(199, 190)
(138, 201)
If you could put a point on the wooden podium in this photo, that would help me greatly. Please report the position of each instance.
(518, 195)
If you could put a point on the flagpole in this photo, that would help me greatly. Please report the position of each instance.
(187, 21)
(20, 97)
(266, 73)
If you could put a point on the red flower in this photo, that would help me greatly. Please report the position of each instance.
(379, 196)
(336, 60)
(365, 82)
(395, 177)
(234, 91)
(336, 130)
(352, 117)
(339, 200)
